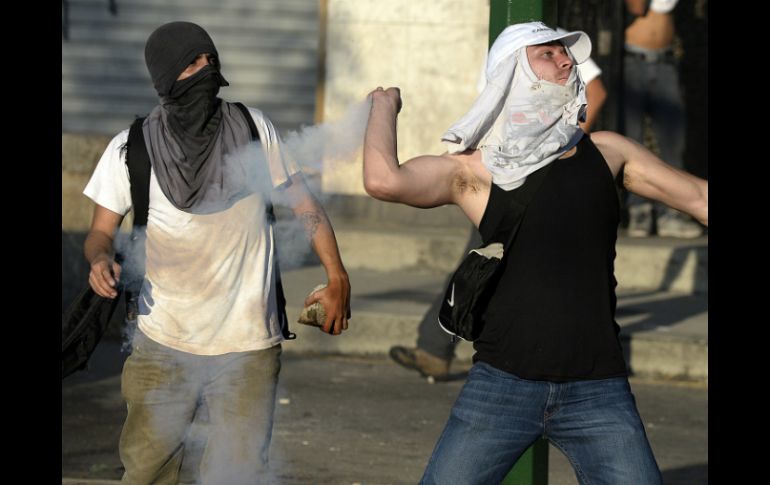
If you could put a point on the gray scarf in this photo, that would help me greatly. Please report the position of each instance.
(191, 132)
(192, 167)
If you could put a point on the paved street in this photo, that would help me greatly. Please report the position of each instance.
(348, 420)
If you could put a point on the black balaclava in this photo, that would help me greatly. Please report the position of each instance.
(189, 134)
(193, 104)
(171, 48)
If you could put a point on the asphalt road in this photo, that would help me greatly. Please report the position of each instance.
(344, 420)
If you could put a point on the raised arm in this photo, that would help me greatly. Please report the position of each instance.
(100, 254)
(335, 298)
(649, 176)
(424, 181)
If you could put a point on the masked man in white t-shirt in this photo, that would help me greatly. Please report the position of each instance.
(208, 327)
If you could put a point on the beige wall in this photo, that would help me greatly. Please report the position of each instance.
(431, 49)
(79, 155)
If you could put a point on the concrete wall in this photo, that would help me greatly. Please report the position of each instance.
(268, 49)
(79, 156)
(431, 49)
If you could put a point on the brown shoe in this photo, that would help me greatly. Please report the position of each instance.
(428, 365)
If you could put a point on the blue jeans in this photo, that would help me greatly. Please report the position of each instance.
(652, 88)
(497, 416)
(164, 388)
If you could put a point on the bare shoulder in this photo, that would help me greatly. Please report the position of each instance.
(614, 148)
(462, 158)
(469, 160)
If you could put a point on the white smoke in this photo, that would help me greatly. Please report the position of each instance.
(330, 142)
(319, 150)
(131, 249)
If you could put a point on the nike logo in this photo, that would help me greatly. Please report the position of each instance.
(451, 299)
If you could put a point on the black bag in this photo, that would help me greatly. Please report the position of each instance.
(474, 282)
(83, 325)
(469, 290)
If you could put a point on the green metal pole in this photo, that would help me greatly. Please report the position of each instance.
(532, 467)
(503, 13)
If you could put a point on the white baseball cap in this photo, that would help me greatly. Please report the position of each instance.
(535, 33)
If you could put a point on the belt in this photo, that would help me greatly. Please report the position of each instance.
(652, 56)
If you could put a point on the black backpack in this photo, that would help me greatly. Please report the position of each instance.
(86, 320)
(83, 325)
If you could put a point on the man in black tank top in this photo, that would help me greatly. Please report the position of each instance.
(434, 352)
(548, 362)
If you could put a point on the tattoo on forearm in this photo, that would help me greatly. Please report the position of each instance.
(311, 221)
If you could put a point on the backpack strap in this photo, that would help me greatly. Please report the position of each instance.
(249, 120)
(138, 161)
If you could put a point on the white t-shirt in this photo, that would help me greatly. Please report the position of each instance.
(209, 285)
(589, 70)
(663, 6)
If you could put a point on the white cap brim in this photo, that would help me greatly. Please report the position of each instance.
(578, 42)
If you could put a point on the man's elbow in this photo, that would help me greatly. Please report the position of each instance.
(380, 188)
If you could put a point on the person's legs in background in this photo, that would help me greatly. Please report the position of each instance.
(651, 88)
(667, 111)
(635, 93)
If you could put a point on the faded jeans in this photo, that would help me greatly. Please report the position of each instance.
(163, 388)
(497, 416)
